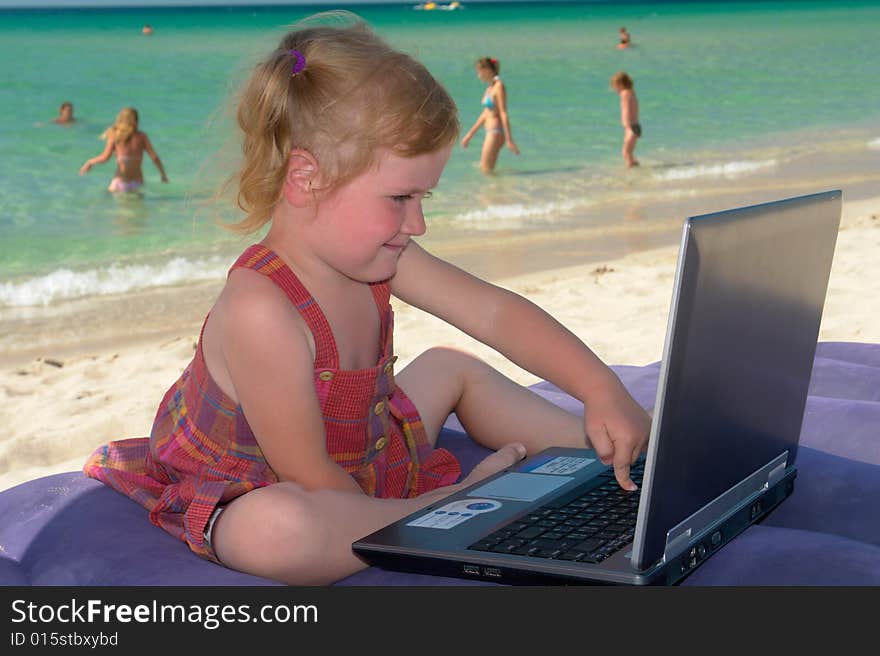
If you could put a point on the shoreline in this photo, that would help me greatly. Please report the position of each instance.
(72, 326)
(109, 385)
(603, 209)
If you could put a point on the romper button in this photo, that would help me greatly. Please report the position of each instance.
(326, 375)
(380, 443)
(380, 406)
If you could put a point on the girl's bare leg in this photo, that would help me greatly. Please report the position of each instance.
(300, 537)
(492, 408)
(491, 147)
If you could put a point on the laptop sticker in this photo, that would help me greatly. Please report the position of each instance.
(520, 487)
(453, 514)
(559, 465)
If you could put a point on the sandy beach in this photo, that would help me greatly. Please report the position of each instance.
(59, 401)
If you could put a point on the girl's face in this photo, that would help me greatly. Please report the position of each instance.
(361, 229)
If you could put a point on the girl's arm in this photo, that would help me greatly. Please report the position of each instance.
(155, 157)
(502, 319)
(100, 159)
(501, 101)
(615, 424)
(470, 133)
(269, 357)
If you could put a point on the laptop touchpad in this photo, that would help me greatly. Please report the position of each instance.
(520, 487)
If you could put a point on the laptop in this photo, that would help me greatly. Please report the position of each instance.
(743, 325)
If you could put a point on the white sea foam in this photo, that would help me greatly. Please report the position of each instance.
(114, 279)
(874, 144)
(724, 170)
(514, 212)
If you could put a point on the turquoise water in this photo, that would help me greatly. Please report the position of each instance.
(727, 91)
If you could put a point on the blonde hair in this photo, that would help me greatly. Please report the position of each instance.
(125, 125)
(621, 81)
(354, 96)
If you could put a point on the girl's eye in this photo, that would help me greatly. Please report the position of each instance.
(405, 197)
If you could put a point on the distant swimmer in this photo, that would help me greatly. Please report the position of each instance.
(629, 116)
(147, 30)
(128, 143)
(65, 114)
(624, 39)
(494, 116)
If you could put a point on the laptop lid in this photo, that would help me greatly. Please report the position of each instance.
(741, 337)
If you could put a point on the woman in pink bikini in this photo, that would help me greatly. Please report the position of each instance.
(129, 144)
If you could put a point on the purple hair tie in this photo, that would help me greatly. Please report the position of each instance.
(300, 64)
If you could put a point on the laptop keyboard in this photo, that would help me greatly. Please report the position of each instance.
(587, 528)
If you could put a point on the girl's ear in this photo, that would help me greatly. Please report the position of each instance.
(302, 172)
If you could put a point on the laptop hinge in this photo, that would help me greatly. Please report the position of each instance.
(678, 538)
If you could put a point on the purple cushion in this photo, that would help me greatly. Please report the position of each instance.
(69, 530)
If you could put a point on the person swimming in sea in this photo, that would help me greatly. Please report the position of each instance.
(128, 143)
(65, 114)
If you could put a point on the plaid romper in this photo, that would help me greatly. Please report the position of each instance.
(201, 452)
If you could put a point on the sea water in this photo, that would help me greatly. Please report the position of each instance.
(731, 95)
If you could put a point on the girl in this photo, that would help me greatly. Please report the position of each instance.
(494, 116)
(290, 435)
(129, 144)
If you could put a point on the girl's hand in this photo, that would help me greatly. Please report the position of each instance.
(164, 178)
(466, 140)
(512, 146)
(85, 168)
(617, 428)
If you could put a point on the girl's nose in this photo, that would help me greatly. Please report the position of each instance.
(414, 221)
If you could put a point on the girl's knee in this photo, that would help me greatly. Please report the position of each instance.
(452, 357)
(462, 366)
(274, 531)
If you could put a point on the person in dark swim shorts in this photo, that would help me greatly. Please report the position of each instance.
(629, 116)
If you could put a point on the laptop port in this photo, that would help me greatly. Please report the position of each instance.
(474, 570)
(756, 510)
(494, 572)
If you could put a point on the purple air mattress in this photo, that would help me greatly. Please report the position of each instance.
(67, 529)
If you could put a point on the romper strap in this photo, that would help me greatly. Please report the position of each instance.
(266, 262)
(382, 296)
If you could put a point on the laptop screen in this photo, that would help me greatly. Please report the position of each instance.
(743, 327)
